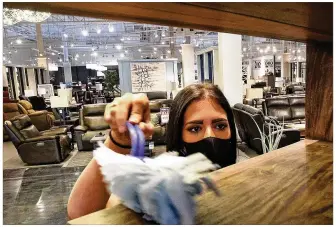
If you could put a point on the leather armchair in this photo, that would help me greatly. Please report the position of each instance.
(156, 101)
(10, 110)
(35, 147)
(84, 97)
(91, 123)
(250, 120)
(42, 119)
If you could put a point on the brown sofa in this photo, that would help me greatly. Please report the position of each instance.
(37, 147)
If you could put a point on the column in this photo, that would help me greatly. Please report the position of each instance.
(188, 58)
(42, 58)
(230, 67)
(66, 64)
(285, 67)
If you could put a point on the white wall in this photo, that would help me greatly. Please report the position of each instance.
(230, 67)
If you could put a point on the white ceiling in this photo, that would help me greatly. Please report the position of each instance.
(124, 41)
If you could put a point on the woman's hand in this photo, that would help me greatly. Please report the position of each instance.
(129, 107)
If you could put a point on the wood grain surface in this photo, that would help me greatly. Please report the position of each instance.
(293, 185)
(319, 91)
(262, 20)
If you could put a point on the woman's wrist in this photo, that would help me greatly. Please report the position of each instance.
(114, 139)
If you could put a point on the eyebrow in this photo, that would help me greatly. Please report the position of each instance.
(201, 122)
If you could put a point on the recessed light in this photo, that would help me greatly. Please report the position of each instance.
(18, 41)
(155, 48)
(72, 45)
(98, 31)
(65, 35)
(85, 32)
(118, 47)
(139, 50)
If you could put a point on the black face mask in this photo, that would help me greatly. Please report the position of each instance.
(219, 151)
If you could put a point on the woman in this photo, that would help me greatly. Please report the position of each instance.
(200, 120)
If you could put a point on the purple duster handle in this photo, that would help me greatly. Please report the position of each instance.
(134, 138)
(137, 140)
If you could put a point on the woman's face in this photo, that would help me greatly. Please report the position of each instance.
(205, 118)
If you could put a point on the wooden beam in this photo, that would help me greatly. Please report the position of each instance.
(199, 16)
(319, 91)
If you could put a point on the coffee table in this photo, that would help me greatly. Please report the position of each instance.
(300, 127)
(99, 137)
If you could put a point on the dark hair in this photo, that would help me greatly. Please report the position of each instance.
(182, 100)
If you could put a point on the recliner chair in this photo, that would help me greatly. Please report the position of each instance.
(248, 119)
(92, 122)
(35, 147)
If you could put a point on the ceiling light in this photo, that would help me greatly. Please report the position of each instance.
(65, 35)
(77, 56)
(128, 38)
(85, 32)
(155, 48)
(141, 56)
(168, 51)
(111, 29)
(171, 41)
(72, 45)
(261, 51)
(293, 51)
(49, 47)
(9, 52)
(18, 41)
(4, 58)
(122, 39)
(118, 47)
(98, 31)
(52, 53)
(122, 55)
(83, 55)
(15, 51)
(180, 50)
(92, 48)
(163, 33)
(161, 57)
(274, 50)
(95, 54)
(11, 43)
(139, 50)
(279, 57)
(163, 43)
(126, 51)
(62, 46)
(242, 55)
(244, 49)
(266, 50)
(299, 51)
(41, 55)
(258, 48)
(154, 52)
(60, 60)
(82, 62)
(268, 47)
(75, 59)
(156, 35)
(9, 61)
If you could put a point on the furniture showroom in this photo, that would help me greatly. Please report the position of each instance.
(65, 65)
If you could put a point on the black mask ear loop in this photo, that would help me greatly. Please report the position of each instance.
(211, 185)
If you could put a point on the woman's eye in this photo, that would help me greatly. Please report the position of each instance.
(221, 126)
(194, 129)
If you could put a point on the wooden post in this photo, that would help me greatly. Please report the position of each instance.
(319, 91)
